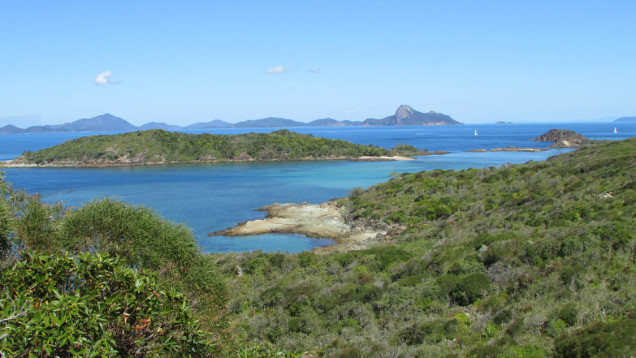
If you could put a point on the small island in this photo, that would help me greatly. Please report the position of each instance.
(563, 138)
(154, 147)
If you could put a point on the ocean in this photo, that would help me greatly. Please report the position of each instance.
(212, 197)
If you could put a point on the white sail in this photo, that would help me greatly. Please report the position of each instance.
(615, 131)
(476, 132)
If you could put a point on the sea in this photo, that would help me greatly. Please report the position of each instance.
(213, 197)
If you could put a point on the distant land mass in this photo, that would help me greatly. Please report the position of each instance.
(330, 122)
(158, 146)
(404, 116)
(407, 116)
(216, 123)
(158, 125)
(104, 123)
(626, 120)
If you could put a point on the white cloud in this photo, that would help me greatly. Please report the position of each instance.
(103, 79)
(314, 70)
(276, 70)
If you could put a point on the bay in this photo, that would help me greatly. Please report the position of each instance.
(211, 197)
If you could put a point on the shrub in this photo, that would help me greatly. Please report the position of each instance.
(602, 339)
(92, 305)
(568, 314)
(464, 289)
(135, 233)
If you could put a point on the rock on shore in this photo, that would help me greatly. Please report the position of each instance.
(324, 220)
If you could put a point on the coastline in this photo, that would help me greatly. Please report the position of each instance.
(324, 220)
(13, 164)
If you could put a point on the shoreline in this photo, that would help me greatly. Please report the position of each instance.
(507, 149)
(324, 220)
(11, 164)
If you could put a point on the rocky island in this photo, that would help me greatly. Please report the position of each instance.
(563, 138)
(158, 146)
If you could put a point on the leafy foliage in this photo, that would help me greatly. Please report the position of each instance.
(93, 305)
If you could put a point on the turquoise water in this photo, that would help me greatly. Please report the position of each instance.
(213, 197)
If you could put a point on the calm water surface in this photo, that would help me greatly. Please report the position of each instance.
(213, 197)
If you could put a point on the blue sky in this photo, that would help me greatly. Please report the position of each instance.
(190, 61)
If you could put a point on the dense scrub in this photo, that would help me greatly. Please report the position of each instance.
(160, 146)
(69, 276)
(531, 260)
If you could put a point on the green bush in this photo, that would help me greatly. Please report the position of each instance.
(569, 314)
(464, 289)
(135, 233)
(92, 305)
(602, 339)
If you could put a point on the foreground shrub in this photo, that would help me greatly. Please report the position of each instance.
(92, 305)
(135, 233)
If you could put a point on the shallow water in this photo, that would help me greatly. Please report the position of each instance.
(211, 197)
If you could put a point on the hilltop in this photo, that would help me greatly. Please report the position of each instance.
(407, 116)
(102, 123)
(163, 147)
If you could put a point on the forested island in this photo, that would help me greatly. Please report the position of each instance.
(530, 260)
(162, 147)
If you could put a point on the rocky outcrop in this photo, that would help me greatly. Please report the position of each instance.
(563, 138)
(324, 220)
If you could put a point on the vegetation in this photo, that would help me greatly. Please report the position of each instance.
(105, 279)
(160, 146)
(531, 260)
(91, 305)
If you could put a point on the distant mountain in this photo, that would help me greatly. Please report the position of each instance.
(104, 123)
(158, 125)
(216, 123)
(330, 122)
(626, 120)
(269, 122)
(404, 116)
(11, 129)
(407, 116)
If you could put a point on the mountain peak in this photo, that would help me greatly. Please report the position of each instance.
(407, 116)
(404, 111)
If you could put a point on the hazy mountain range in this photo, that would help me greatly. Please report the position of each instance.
(626, 120)
(404, 116)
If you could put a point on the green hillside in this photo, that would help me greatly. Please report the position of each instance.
(160, 146)
(531, 260)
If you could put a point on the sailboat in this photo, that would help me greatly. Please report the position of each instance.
(615, 131)
(476, 132)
